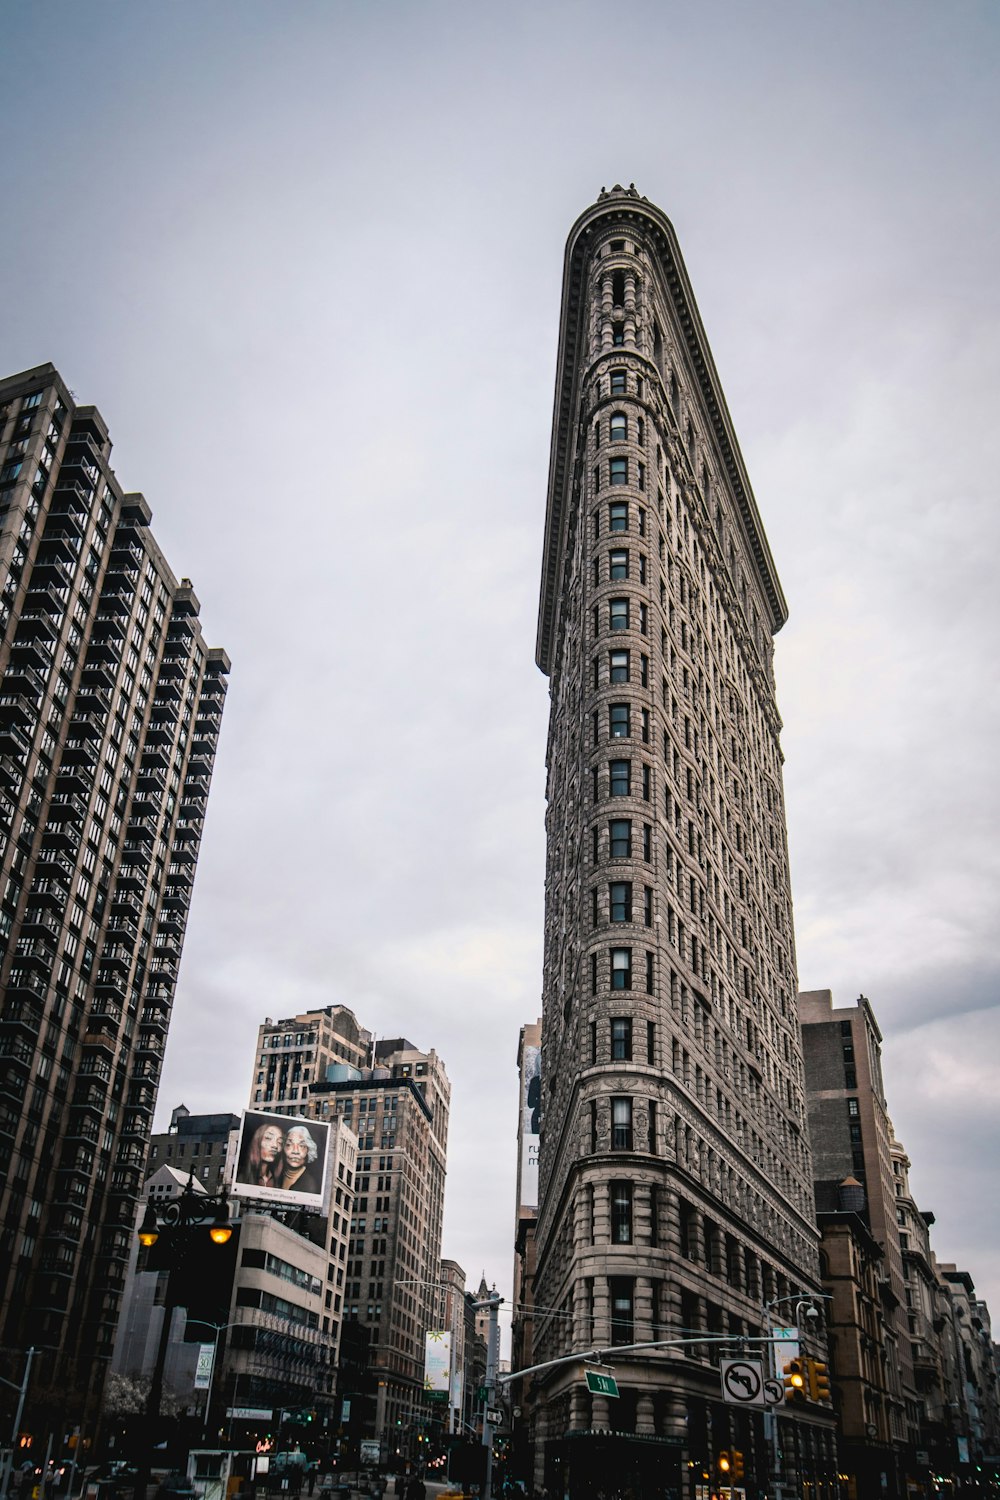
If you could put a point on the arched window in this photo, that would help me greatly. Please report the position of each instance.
(619, 427)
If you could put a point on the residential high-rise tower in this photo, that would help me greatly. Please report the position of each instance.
(675, 1173)
(110, 706)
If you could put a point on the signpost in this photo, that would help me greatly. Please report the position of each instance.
(601, 1385)
(774, 1392)
(742, 1382)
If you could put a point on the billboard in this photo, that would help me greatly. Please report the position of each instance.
(531, 1105)
(282, 1160)
(437, 1362)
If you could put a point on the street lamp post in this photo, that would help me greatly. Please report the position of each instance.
(172, 1232)
(22, 1390)
(805, 1305)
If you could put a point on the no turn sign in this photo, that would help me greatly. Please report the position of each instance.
(742, 1381)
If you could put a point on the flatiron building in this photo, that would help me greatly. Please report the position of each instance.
(110, 706)
(675, 1197)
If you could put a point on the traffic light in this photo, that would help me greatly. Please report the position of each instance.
(724, 1464)
(819, 1380)
(738, 1468)
(794, 1381)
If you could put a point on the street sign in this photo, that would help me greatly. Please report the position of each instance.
(494, 1416)
(774, 1392)
(251, 1413)
(742, 1381)
(601, 1385)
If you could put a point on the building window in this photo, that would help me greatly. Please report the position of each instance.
(619, 427)
(647, 842)
(617, 565)
(621, 1213)
(621, 968)
(622, 1317)
(617, 335)
(621, 1124)
(620, 897)
(647, 911)
(617, 382)
(618, 471)
(618, 614)
(618, 720)
(621, 1039)
(620, 838)
(853, 1108)
(618, 666)
(618, 516)
(620, 778)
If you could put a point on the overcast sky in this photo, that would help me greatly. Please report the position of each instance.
(306, 258)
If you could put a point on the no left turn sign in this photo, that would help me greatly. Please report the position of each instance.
(742, 1382)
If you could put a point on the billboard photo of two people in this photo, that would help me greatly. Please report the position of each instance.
(282, 1160)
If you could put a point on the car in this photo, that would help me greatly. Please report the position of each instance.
(177, 1486)
(110, 1479)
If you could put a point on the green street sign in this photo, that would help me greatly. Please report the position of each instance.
(601, 1385)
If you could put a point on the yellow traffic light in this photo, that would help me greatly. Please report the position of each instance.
(794, 1381)
(724, 1463)
(819, 1380)
(738, 1467)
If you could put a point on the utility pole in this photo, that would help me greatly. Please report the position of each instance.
(492, 1304)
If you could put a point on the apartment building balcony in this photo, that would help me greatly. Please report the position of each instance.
(80, 752)
(22, 678)
(19, 709)
(53, 862)
(13, 740)
(150, 1043)
(116, 956)
(39, 920)
(99, 1043)
(67, 515)
(61, 834)
(11, 771)
(108, 630)
(177, 897)
(106, 1008)
(137, 847)
(73, 493)
(126, 554)
(36, 626)
(49, 590)
(55, 549)
(51, 893)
